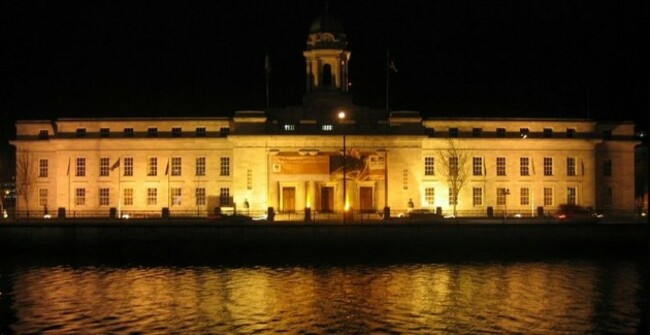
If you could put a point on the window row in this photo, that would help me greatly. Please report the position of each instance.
(150, 194)
(501, 195)
(526, 168)
(501, 132)
(174, 166)
(152, 132)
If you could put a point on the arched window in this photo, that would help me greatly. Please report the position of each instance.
(327, 75)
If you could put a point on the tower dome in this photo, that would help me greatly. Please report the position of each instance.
(326, 32)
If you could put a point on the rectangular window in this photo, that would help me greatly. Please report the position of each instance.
(177, 165)
(327, 127)
(128, 166)
(548, 196)
(42, 197)
(405, 179)
(453, 132)
(571, 195)
(152, 196)
(176, 196)
(104, 132)
(453, 166)
(81, 167)
(477, 166)
(225, 131)
(80, 196)
(81, 132)
(548, 166)
(501, 166)
(501, 196)
(200, 196)
(289, 127)
(224, 168)
(524, 132)
(607, 168)
(548, 132)
(152, 166)
(429, 196)
(501, 132)
(477, 196)
(570, 166)
(128, 132)
(249, 179)
(453, 199)
(152, 132)
(104, 166)
(429, 167)
(200, 166)
(524, 196)
(104, 196)
(43, 134)
(177, 132)
(200, 131)
(224, 197)
(570, 133)
(477, 132)
(43, 167)
(128, 197)
(524, 166)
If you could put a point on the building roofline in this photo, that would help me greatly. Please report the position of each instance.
(198, 118)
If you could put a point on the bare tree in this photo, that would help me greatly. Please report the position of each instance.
(26, 174)
(455, 167)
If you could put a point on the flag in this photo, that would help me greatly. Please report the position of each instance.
(116, 165)
(68, 173)
(532, 166)
(582, 164)
(267, 63)
(392, 66)
(167, 168)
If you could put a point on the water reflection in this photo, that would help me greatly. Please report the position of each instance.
(532, 298)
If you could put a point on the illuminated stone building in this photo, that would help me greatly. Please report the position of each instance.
(293, 158)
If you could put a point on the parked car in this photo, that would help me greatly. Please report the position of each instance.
(575, 213)
(424, 215)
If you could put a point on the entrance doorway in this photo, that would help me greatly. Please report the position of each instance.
(365, 199)
(327, 199)
(289, 199)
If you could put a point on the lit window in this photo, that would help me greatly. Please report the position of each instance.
(224, 197)
(570, 166)
(571, 195)
(104, 166)
(429, 196)
(128, 166)
(249, 179)
(200, 166)
(289, 127)
(42, 197)
(200, 196)
(501, 166)
(501, 196)
(524, 196)
(477, 166)
(453, 199)
(81, 167)
(80, 196)
(152, 196)
(152, 166)
(429, 167)
(176, 196)
(128, 196)
(477, 196)
(453, 166)
(43, 168)
(104, 196)
(524, 166)
(548, 166)
(176, 166)
(327, 127)
(548, 196)
(224, 168)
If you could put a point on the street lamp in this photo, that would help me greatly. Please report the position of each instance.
(342, 118)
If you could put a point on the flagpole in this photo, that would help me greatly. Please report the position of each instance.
(387, 77)
(119, 187)
(267, 70)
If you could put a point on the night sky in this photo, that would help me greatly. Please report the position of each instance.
(206, 58)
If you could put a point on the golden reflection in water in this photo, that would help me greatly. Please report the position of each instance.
(521, 297)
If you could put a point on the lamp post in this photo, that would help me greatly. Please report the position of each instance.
(342, 118)
(506, 192)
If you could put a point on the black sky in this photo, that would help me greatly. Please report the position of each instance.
(206, 58)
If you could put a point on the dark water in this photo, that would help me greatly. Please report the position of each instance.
(505, 297)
